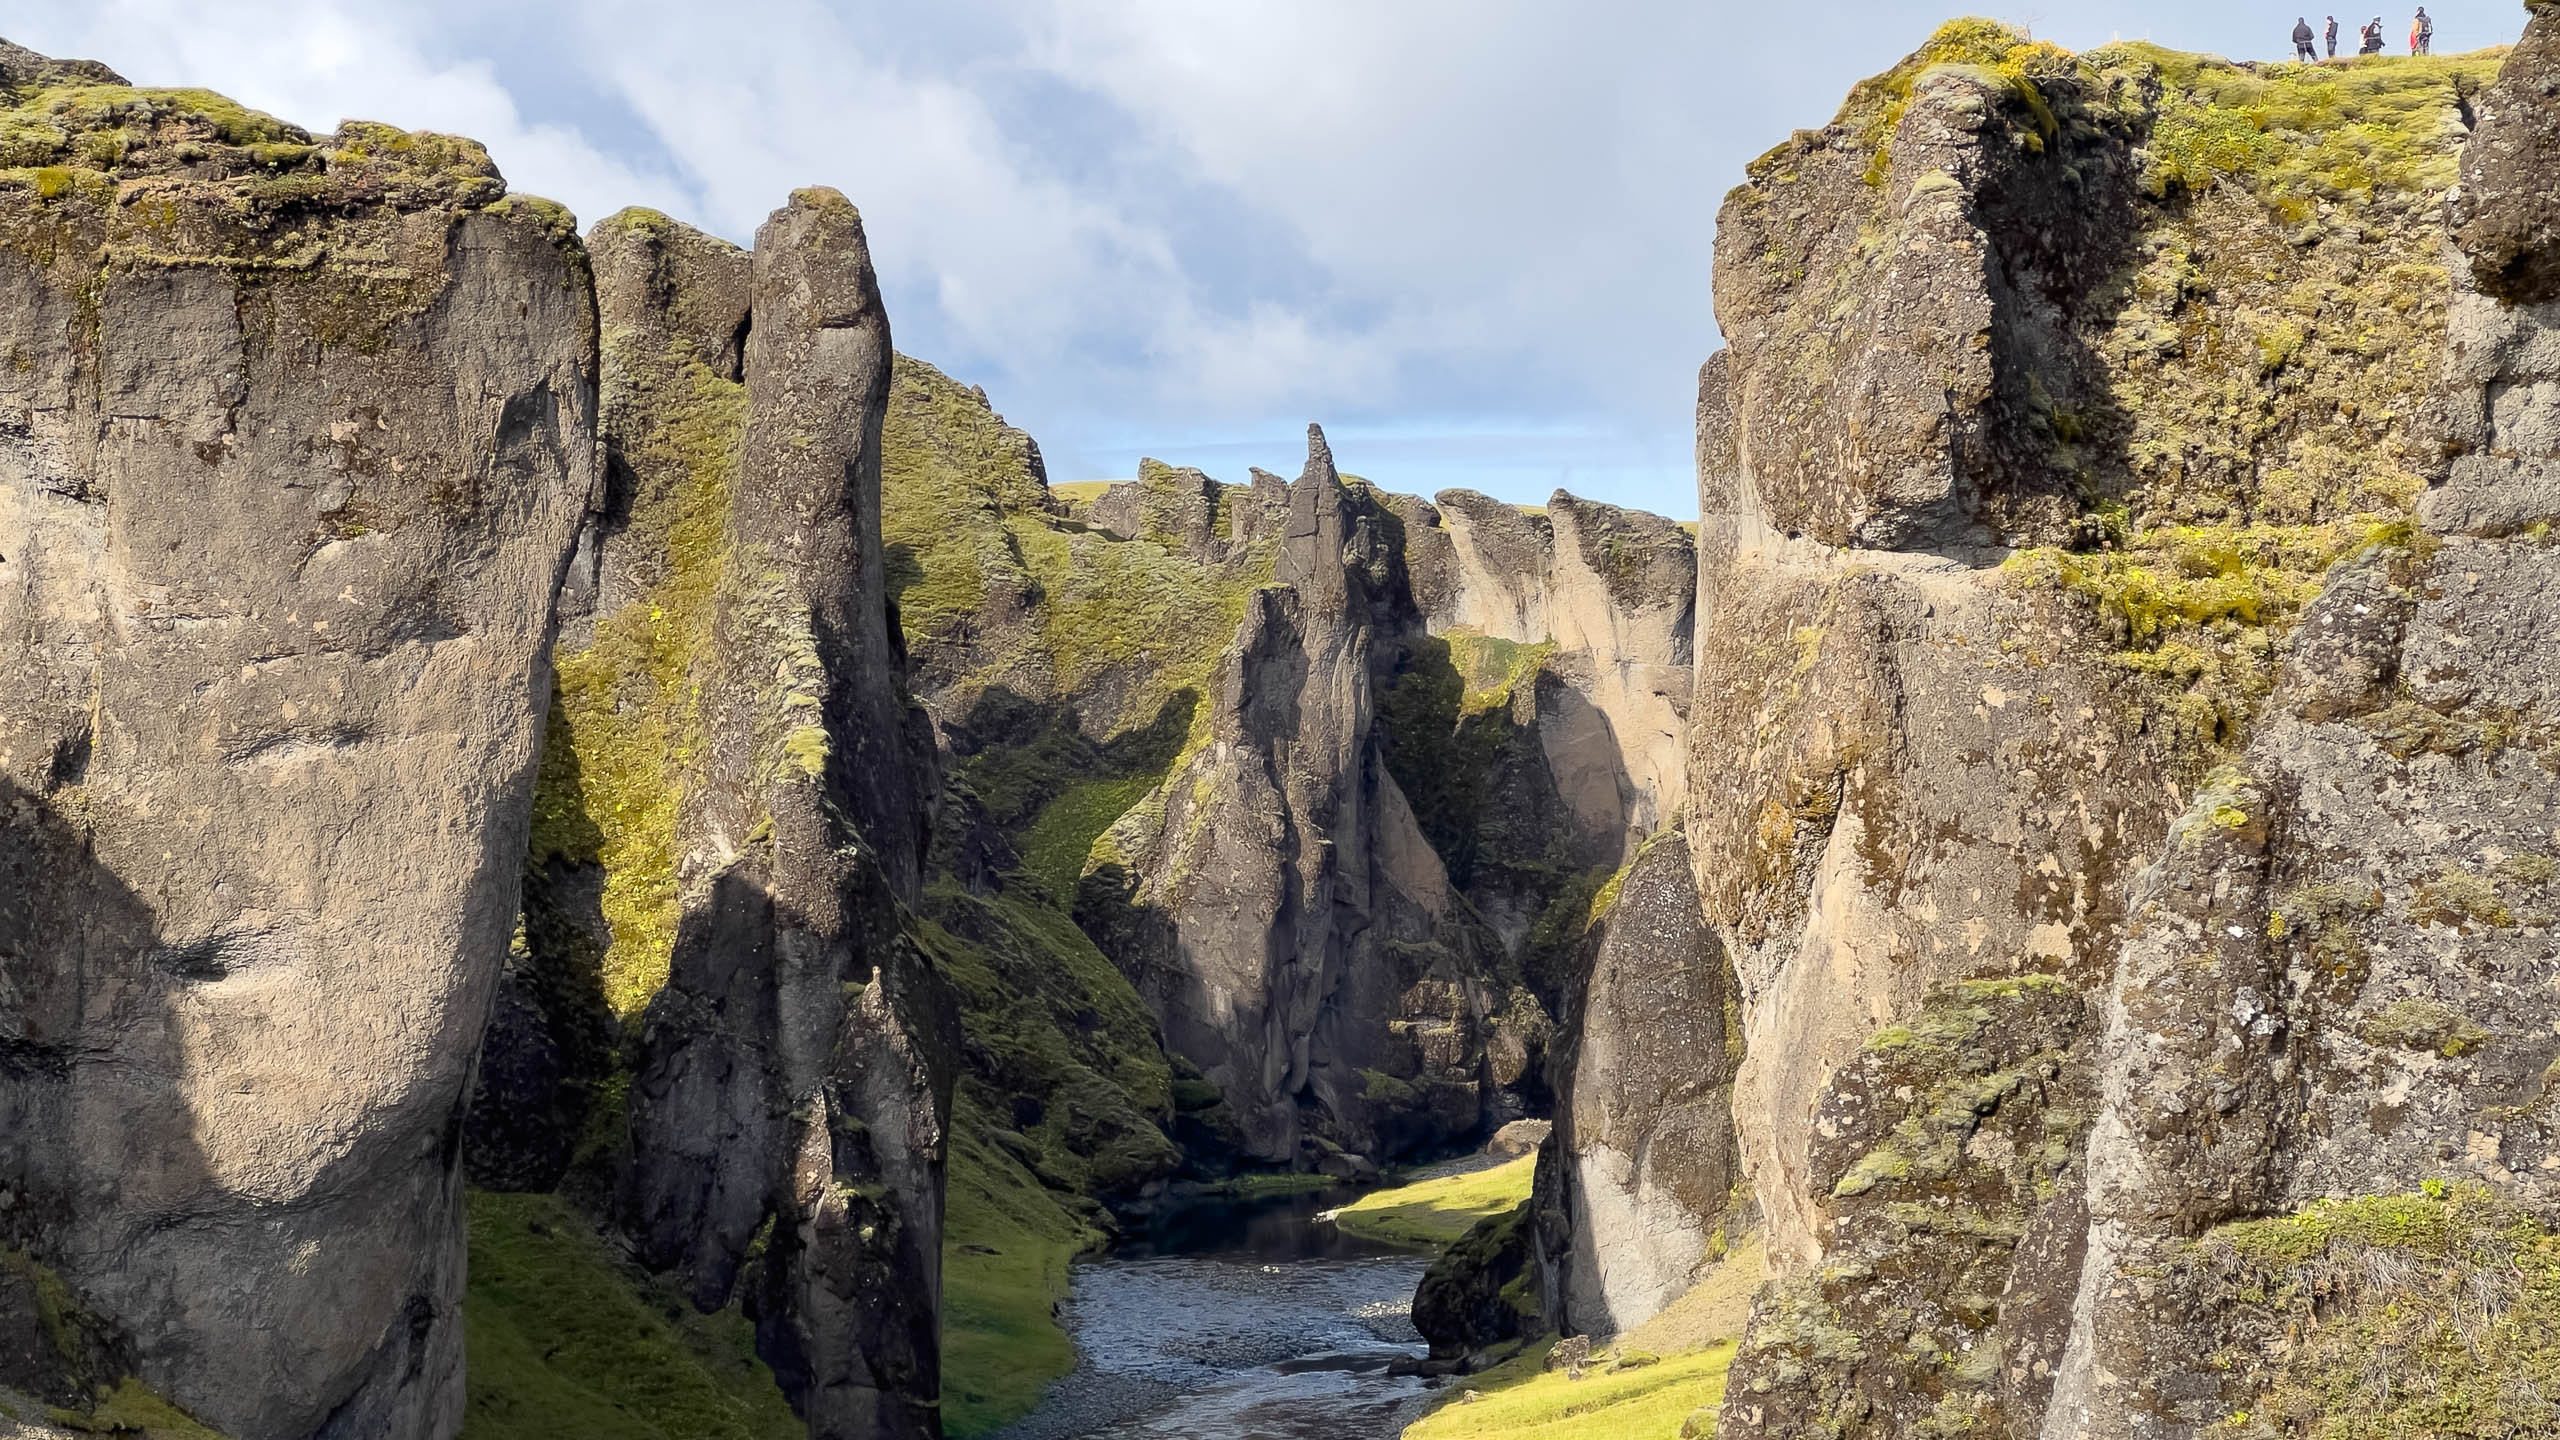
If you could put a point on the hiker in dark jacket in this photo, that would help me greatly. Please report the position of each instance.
(2333, 37)
(2302, 41)
(2372, 38)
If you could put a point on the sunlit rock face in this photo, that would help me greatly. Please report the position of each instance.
(2063, 725)
(299, 434)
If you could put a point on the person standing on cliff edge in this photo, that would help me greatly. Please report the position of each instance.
(2333, 37)
(2422, 33)
(2302, 41)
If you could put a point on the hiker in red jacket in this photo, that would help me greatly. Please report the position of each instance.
(2422, 33)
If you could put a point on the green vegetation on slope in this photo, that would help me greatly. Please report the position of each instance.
(1007, 1241)
(1636, 1397)
(569, 1341)
(995, 590)
(1447, 719)
(2271, 338)
(950, 470)
(2300, 136)
(1055, 847)
(1661, 1380)
(2429, 1314)
(1057, 1043)
(623, 727)
(1437, 1212)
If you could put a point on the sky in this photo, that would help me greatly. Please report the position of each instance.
(1470, 237)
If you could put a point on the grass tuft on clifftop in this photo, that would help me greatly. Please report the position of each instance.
(2434, 1313)
(1876, 105)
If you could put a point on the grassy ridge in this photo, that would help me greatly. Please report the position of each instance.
(1661, 1380)
(1644, 1400)
(1430, 1214)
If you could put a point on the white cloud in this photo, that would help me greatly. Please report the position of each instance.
(1445, 224)
(316, 64)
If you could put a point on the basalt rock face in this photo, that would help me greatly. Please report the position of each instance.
(1612, 592)
(796, 1069)
(298, 437)
(2506, 218)
(731, 825)
(1281, 912)
(2343, 980)
(2042, 426)
(1643, 1161)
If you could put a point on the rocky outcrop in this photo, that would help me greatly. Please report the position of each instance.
(299, 431)
(1276, 905)
(731, 826)
(1643, 1161)
(1992, 574)
(1611, 594)
(795, 1072)
(1481, 1291)
(2342, 981)
(2506, 220)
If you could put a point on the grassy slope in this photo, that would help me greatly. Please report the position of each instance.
(1434, 1213)
(1694, 1336)
(567, 1342)
(1523, 1401)
(2436, 1313)
(1004, 1269)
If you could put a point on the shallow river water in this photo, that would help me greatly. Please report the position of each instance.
(1239, 1321)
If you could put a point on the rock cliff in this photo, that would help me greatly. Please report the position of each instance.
(299, 432)
(2341, 984)
(2088, 773)
(720, 1026)
(1084, 653)
(1638, 1188)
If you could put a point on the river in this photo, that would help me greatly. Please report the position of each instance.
(1239, 1320)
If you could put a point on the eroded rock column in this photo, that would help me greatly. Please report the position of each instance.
(297, 438)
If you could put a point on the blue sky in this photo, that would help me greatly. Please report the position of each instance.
(1471, 237)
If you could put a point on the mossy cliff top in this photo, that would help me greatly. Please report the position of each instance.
(2199, 258)
(190, 174)
(2158, 325)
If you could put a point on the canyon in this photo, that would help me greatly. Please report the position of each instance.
(587, 848)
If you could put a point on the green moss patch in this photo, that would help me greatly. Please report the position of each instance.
(2197, 611)
(2435, 1313)
(1876, 105)
(623, 725)
(2300, 136)
(1056, 846)
(1429, 1214)
(568, 1340)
